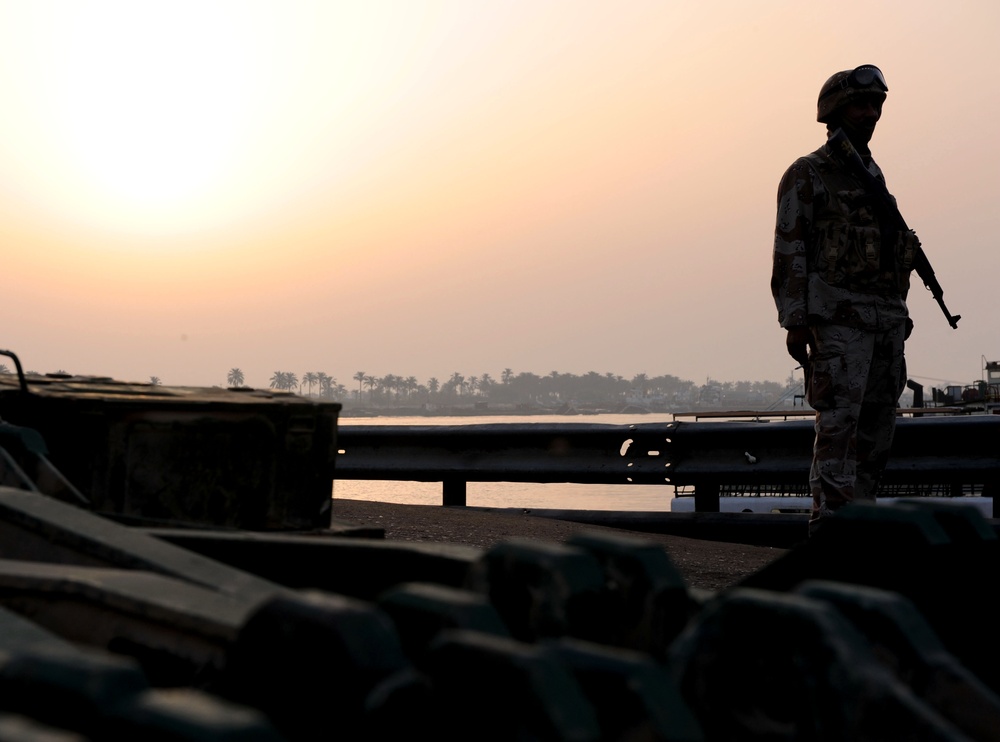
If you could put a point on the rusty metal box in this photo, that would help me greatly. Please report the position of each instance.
(242, 458)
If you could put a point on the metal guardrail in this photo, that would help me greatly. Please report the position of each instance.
(707, 458)
(514, 452)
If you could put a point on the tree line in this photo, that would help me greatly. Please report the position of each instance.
(591, 389)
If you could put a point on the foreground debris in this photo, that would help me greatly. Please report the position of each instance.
(111, 629)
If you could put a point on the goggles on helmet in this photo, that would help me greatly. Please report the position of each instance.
(865, 76)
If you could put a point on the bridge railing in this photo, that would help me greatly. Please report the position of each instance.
(930, 455)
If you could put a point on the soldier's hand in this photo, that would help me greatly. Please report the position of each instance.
(797, 341)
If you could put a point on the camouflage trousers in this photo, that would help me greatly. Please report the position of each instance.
(854, 380)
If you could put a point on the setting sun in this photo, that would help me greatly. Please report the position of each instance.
(145, 107)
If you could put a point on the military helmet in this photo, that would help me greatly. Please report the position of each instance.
(842, 86)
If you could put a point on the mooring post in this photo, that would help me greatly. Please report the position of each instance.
(453, 491)
(706, 498)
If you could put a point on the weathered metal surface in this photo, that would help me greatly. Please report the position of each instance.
(750, 456)
(514, 452)
(310, 661)
(36, 527)
(763, 665)
(188, 714)
(243, 458)
(895, 628)
(520, 691)
(182, 630)
(359, 567)
(422, 610)
(960, 449)
(649, 602)
(24, 464)
(633, 694)
(18, 634)
(543, 589)
(319, 664)
(936, 555)
(53, 686)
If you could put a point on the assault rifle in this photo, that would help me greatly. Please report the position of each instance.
(843, 149)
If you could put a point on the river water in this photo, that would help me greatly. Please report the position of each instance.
(633, 497)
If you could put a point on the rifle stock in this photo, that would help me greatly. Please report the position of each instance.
(842, 145)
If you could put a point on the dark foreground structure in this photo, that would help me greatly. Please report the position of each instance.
(271, 622)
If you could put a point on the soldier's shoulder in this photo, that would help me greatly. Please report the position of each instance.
(806, 162)
(800, 173)
(818, 158)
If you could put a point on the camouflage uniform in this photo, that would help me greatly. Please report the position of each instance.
(831, 274)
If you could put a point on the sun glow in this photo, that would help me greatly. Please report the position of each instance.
(146, 101)
(151, 113)
(165, 118)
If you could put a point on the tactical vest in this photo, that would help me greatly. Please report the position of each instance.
(848, 246)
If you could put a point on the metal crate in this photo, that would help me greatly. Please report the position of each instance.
(242, 458)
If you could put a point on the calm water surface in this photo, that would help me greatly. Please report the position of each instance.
(642, 497)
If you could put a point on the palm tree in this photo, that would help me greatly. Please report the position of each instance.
(485, 384)
(360, 378)
(371, 382)
(309, 379)
(389, 383)
(154, 380)
(235, 377)
(284, 381)
(506, 375)
(4, 369)
(325, 382)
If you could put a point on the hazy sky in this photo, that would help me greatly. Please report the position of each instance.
(423, 188)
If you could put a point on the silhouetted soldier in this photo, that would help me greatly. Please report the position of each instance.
(840, 277)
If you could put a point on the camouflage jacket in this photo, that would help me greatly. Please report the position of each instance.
(828, 266)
